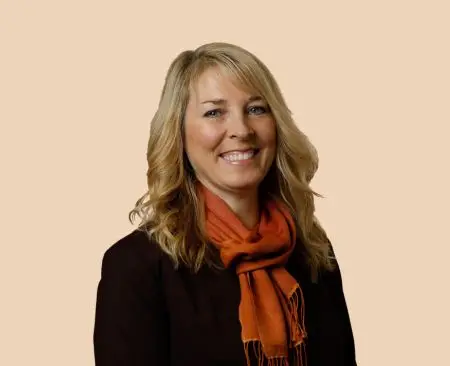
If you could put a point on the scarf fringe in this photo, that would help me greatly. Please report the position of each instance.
(296, 305)
(297, 337)
(296, 358)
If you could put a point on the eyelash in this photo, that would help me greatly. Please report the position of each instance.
(264, 110)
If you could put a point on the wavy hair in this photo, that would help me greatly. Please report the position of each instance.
(170, 211)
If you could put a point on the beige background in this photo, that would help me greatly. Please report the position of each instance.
(369, 82)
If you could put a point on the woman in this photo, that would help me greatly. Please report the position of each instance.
(229, 265)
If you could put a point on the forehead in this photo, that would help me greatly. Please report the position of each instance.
(217, 83)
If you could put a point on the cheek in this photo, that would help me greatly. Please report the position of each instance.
(202, 137)
(268, 134)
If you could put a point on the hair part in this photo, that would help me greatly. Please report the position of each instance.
(171, 212)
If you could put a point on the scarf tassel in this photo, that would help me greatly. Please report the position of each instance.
(297, 337)
(298, 357)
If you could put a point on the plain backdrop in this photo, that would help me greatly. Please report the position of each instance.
(367, 81)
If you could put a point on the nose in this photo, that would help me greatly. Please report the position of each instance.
(239, 127)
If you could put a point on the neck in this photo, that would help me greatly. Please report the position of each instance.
(244, 204)
(245, 207)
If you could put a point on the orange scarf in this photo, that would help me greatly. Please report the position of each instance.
(270, 296)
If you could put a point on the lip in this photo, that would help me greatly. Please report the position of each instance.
(241, 163)
(240, 150)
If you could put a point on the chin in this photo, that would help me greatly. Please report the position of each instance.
(243, 185)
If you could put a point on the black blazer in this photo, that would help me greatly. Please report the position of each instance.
(149, 314)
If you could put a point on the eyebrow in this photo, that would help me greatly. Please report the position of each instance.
(220, 101)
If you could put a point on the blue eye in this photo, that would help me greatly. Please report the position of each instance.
(257, 110)
(213, 113)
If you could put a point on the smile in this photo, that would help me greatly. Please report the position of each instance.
(239, 156)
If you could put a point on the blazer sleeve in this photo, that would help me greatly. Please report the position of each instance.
(336, 289)
(130, 320)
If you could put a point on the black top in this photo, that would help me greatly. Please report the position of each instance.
(149, 314)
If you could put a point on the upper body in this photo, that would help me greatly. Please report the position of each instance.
(149, 313)
(230, 265)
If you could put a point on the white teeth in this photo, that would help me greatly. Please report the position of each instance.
(237, 156)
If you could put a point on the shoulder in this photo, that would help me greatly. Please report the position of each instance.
(132, 253)
(331, 278)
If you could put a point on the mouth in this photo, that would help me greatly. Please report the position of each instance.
(237, 157)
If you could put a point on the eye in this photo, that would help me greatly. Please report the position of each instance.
(258, 110)
(213, 113)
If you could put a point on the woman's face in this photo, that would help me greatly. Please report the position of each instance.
(230, 135)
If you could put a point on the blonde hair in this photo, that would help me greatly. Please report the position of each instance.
(170, 212)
